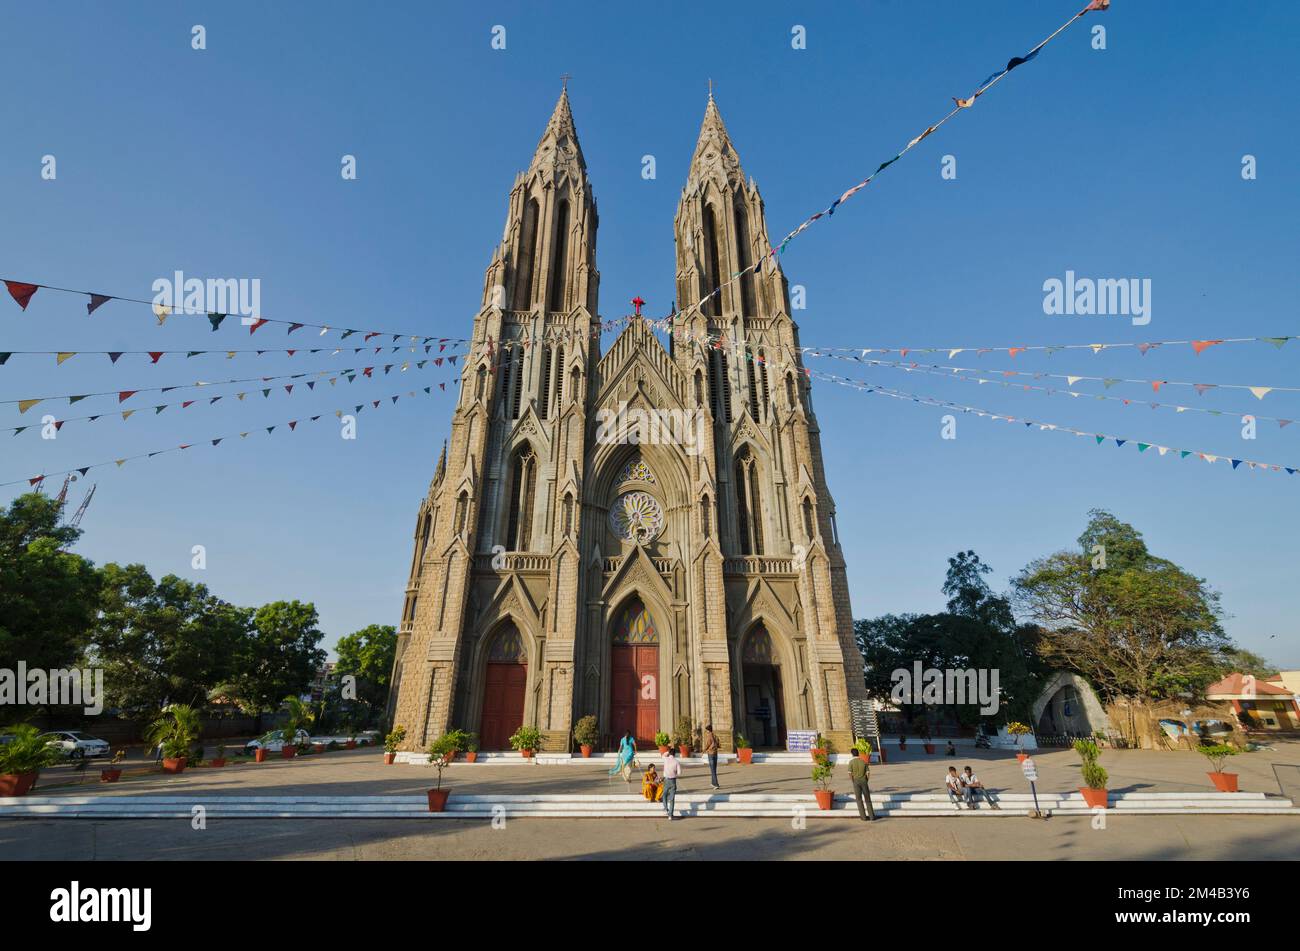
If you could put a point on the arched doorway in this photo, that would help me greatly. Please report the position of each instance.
(634, 675)
(505, 682)
(763, 703)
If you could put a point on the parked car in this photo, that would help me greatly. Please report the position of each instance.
(76, 745)
(273, 742)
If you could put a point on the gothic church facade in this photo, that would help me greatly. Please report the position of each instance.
(559, 570)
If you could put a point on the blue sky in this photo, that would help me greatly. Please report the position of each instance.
(1123, 162)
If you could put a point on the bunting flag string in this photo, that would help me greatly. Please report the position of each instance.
(1259, 392)
(1100, 438)
(291, 425)
(323, 376)
(125, 394)
(1199, 346)
(1052, 391)
(992, 80)
(63, 356)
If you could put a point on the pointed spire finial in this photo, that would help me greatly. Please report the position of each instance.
(710, 90)
(564, 78)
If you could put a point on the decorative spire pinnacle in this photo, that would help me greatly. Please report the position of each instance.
(715, 156)
(559, 143)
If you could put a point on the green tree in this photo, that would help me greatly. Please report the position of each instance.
(164, 642)
(279, 657)
(1133, 624)
(368, 655)
(48, 595)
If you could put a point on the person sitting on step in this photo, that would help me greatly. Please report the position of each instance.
(953, 783)
(651, 788)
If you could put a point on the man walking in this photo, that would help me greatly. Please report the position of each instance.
(711, 747)
(860, 774)
(672, 769)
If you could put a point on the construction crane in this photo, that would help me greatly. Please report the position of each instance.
(81, 509)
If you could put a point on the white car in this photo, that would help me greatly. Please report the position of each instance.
(76, 745)
(273, 742)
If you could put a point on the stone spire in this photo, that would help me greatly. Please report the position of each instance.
(558, 150)
(715, 157)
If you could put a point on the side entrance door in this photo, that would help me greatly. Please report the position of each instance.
(634, 700)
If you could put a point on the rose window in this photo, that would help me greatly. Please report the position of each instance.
(636, 516)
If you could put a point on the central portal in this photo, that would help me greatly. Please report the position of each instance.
(634, 676)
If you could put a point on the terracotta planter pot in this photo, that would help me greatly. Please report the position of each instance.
(683, 751)
(586, 750)
(350, 745)
(1022, 756)
(217, 762)
(527, 754)
(318, 747)
(390, 758)
(450, 757)
(109, 775)
(1224, 782)
(824, 797)
(1095, 798)
(289, 752)
(817, 751)
(471, 756)
(929, 747)
(17, 784)
(176, 765)
(438, 799)
(865, 757)
(745, 754)
(259, 755)
(663, 751)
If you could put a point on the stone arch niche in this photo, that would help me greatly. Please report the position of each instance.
(503, 670)
(761, 717)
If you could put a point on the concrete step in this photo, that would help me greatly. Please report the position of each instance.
(720, 805)
(607, 760)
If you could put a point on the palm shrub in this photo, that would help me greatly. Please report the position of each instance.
(27, 752)
(1217, 754)
(586, 730)
(299, 716)
(174, 730)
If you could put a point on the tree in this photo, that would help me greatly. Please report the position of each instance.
(48, 595)
(164, 642)
(278, 657)
(1133, 624)
(978, 631)
(368, 655)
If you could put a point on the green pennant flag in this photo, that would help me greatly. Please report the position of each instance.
(1100, 440)
(216, 320)
(159, 409)
(1275, 341)
(1143, 446)
(1184, 453)
(75, 399)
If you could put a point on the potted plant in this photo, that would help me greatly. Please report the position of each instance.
(662, 740)
(1217, 754)
(259, 755)
(526, 740)
(441, 752)
(22, 759)
(471, 747)
(821, 774)
(298, 716)
(683, 736)
(585, 732)
(457, 740)
(350, 743)
(820, 747)
(220, 759)
(862, 746)
(113, 771)
(1017, 730)
(391, 743)
(174, 730)
(744, 752)
(1094, 776)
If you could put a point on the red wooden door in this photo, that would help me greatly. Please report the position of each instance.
(634, 692)
(503, 704)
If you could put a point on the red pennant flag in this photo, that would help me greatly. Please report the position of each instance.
(112, 357)
(293, 425)
(367, 337)
(38, 479)
(156, 355)
(95, 301)
(291, 352)
(1156, 384)
(1199, 345)
(252, 328)
(442, 386)
(126, 395)
(289, 388)
(22, 293)
(367, 371)
(186, 404)
(437, 361)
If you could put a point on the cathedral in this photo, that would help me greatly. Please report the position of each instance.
(643, 571)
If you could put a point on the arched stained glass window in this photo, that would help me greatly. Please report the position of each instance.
(508, 647)
(635, 625)
(758, 648)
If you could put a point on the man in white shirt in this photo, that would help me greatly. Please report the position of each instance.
(973, 788)
(953, 783)
(672, 769)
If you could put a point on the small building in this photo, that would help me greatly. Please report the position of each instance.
(1259, 704)
(1068, 707)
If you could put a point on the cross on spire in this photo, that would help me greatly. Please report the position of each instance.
(638, 303)
(564, 78)
(710, 90)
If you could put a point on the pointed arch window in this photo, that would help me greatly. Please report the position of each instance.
(758, 647)
(568, 515)
(705, 506)
(789, 390)
(762, 376)
(518, 382)
(635, 625)
(699, 387)
(508, 647)
(543, 404)
(462, 509)
(713, 280)
(480, 382)
(559, 269)
(575, 383)
(754, 406)
(749, 515)
(809, 517)
(527, 257)
(523, 487)
(559, 379)
(743, 262)
(506, 366)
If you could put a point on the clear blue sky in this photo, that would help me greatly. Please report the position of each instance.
(225, 163)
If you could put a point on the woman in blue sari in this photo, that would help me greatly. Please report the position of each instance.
(626, 753)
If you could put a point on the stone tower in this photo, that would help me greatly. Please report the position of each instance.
(643, 535)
